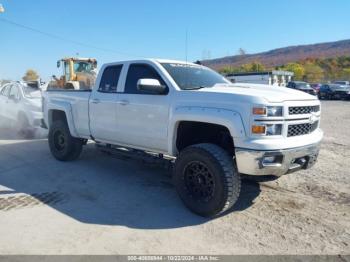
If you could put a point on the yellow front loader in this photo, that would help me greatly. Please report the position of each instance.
(78, 73)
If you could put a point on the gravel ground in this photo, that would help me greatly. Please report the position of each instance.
(103, 205)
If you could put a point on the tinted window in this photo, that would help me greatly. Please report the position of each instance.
(137, 72)
(110, 78)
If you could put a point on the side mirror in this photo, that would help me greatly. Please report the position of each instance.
(151, 85)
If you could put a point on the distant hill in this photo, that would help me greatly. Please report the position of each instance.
(280, 56)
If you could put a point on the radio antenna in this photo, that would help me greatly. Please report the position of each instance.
(186, 56)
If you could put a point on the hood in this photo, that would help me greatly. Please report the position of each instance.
(273, 94)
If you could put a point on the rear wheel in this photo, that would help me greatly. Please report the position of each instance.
(62, 145)
(206, 179)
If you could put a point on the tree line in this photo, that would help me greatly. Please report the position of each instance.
(312, 70)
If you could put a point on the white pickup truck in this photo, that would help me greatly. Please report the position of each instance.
(216, 130)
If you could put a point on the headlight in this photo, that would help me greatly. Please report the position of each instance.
(268, 130)
(268, 111)
(274, 111)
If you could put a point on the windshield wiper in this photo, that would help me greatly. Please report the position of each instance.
(196, 88)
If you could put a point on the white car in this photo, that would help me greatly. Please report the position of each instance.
(216, 130)
(21, 105)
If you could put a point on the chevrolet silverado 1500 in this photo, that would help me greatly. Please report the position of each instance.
(214, 129)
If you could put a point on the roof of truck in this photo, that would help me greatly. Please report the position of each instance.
(154, 60)
(172, 61)
(159, 60)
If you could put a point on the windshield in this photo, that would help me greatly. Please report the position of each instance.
(338, 87)
(31, 92)
(189, 76)
(341, 82)
(82, 66)
(302, 85)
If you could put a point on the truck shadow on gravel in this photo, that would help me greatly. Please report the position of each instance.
(97, 189)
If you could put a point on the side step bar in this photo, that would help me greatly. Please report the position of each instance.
(148, 158)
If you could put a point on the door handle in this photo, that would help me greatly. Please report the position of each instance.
(123, 102)
(95, 101)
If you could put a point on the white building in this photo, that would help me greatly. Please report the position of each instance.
(276, 77)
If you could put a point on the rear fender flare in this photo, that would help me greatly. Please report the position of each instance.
(67, 109)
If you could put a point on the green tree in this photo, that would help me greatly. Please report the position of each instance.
(313, 73)
(296, 68)
(252, 67)
(228, 70)
(345, 74)
(31, 75)
(257, 67)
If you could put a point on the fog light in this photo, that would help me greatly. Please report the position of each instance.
(273, 130)
(269, 159)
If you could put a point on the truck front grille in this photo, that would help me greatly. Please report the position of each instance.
(301, 129)
(299, 110)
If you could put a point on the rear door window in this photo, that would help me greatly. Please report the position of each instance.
(110, 79)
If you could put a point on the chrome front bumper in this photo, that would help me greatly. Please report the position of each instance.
(277, 162)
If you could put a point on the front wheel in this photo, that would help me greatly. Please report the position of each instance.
(206, 179)
(62, 145)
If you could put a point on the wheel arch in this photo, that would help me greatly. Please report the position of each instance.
(222, 120)
(62, 113)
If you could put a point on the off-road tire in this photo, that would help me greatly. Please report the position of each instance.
(68, 148)
(226, 179)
